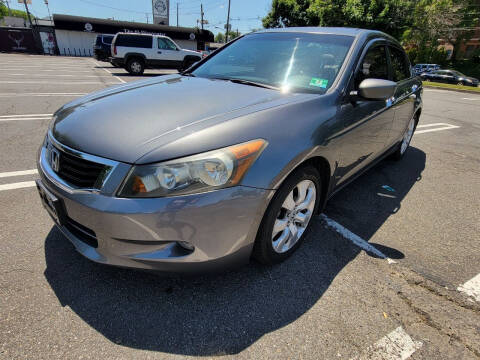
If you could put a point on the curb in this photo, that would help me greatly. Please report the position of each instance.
(449, 89)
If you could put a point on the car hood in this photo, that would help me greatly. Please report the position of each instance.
(126, 122)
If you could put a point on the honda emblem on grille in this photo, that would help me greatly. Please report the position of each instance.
(55, 159)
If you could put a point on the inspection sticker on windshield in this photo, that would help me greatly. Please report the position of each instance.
(319, 82)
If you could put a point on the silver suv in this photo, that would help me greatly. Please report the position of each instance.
(135, 52)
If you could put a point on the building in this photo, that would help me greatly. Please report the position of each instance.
(76, 34)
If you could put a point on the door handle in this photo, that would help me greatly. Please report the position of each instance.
(159, 52)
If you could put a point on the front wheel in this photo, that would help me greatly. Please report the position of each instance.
(460, 83)
(135, 66)
(288, 216)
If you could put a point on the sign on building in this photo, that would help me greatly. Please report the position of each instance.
(160, 11)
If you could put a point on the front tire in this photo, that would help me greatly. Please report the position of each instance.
(288, 217)
(135, 66)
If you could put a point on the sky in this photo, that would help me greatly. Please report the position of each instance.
(245, 15)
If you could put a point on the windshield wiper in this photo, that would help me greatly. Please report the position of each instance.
(246, 82)
(253, 83)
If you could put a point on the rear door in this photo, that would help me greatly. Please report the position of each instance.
(405, 93)
(367, 122)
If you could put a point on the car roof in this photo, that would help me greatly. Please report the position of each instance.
(347, 31)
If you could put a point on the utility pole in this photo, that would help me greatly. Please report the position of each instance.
(201, 14)
(49, 15)
(28, 13)
(228, 22)
(177, 13)
(8, 6)
(146, 16)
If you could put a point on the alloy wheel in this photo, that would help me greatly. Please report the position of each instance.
(407, 136)
(294, 216)
(136, 67)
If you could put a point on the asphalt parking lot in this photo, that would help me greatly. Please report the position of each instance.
(390, 271)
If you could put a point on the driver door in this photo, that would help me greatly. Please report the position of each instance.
(367, 122)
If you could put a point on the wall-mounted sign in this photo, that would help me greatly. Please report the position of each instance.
(88, 27)
(160, 11)
(192, 36)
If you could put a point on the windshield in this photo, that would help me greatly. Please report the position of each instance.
(292, 61)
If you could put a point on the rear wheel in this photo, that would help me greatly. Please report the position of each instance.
(460, 83)
(407, 137)
(288, 216)
(135, 66)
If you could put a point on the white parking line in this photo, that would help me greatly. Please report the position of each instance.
(25, 117)
(60, 75)
(438, 127)
(46, 70)
(18, 173)
(471, 288)
(471, 98)
(397, 345)
(18, 185)
(357, 240)
(116, 77)
(40, 94)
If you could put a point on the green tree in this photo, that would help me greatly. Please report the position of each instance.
(391, 16)
(13, 12)
(220, 38)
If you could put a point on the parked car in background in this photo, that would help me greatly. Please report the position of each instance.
(135, 52)
(421, 68)
(450, 77)
(232, 158)
(102, 46)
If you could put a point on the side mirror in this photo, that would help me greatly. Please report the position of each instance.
(376, 89)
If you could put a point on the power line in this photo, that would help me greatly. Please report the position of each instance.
(112, 7)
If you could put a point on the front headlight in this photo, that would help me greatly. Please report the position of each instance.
(193, 174)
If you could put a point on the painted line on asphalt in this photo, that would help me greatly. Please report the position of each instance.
(471, 98)
(40, 94)
(443, 126)
(354, 238)
(25, 117)
(471, 288)
(18, 185)
(44, 70)
(397, 345)
(60, 75)
(18, 173)
(116, 77)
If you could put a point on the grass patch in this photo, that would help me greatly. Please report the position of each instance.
(450, 86)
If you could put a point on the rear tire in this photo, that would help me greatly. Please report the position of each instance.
(135, 66)
(288, 217)
(460, 83)
(407, 137)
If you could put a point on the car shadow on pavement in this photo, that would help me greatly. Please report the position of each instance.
(214, 314)
(363, 206)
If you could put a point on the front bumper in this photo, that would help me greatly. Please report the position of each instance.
(147, 233)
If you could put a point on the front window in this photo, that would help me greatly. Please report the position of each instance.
(166, 44)
(298, 62)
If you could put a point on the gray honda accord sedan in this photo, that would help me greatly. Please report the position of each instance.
(232, 158)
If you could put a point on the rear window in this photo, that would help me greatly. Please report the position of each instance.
(139, 41)
(107, 39)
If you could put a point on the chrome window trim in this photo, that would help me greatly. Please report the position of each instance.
(57, 180)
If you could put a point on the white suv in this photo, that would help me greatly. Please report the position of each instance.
(135, 52)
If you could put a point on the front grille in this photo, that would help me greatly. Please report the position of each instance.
(80, 172)
(82, 233)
